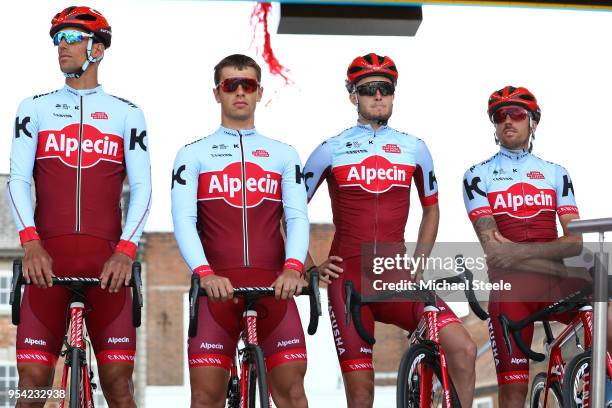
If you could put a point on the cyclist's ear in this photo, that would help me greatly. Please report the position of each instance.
(353, 98)
(259, 93)
(97, 50)
(216, 93)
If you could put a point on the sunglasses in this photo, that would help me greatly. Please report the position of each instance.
(516, 114)
(71, 36)
(249, 85)
(369, 89)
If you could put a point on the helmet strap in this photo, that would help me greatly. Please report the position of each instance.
(89, 60)
(532, 134)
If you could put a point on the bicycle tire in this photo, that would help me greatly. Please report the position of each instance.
(538, 385)
(257, 381)
(75, 378)
(577, 366)
(408, 379)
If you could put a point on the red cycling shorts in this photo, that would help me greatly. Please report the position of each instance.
(279, 328)
(44, 312)
(514, 368)
(353, 352)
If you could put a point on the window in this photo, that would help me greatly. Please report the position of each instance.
(8, 381)
(5, 290)
(486, 402)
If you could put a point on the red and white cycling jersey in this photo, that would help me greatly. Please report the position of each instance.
(77, 146)
(229, 193)
(369, 174)
(523, 192)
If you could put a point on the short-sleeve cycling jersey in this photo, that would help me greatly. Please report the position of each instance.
(369, 174)
(77, 145)
(229, 192)
(522, 192)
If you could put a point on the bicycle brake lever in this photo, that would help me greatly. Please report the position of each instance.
(504, 324)
(348, 289)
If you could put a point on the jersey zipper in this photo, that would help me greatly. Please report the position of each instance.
(376, 197)
(78, 186)
(245, 227)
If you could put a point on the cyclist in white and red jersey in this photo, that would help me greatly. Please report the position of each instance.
(370, 169)
(513, 200)
(77, 144)
(229, 192)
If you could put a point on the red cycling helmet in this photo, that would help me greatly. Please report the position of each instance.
(85, 18)
(370, 65)
(510, 95)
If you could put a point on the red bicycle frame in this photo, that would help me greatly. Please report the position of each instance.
(556, 364)
(249, 337)
(77, 342)
(430, 319)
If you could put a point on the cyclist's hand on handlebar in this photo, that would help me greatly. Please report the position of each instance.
(218, 288)
(37, 264)
(329, 269)
(288, 284)
(118, 270)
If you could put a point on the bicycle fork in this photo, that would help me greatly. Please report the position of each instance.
(431, 317)
(74, 352)
(250, 318)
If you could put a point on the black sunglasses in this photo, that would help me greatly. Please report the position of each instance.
(370, 88)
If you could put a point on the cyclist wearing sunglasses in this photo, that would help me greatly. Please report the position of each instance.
(369, 169)
(229, 192)
(78, 143)
(513, 199)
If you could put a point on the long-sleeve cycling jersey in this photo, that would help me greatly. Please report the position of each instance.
(369, 173)
(522, 192)
(77, 145)
(229, 192)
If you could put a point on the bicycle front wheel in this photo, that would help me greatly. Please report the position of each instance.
(257, 380)
(577, 381)
(76, 384)
(419, 380)
(553, 396)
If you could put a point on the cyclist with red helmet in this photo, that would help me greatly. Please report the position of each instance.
(370, 169)
(78, 144)
(513, 199)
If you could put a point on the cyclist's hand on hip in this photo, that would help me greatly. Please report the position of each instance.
(218, 288)
(288, 284)
(37, 264)
(117, 272)
(328, 270)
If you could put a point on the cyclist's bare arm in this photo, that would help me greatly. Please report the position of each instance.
(428, 230)
(488, 235)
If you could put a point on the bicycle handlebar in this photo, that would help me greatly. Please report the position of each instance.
(354, 300)
(513, 328)
(18, 281)
(468, 277)
(312, 291)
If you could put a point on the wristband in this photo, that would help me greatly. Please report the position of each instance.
(203, 271)
(127, 248)
(294, 264)
(28, 234)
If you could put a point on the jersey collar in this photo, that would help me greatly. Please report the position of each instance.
(368, 127)
(237, 133)
(512, 154)
(84, 92)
